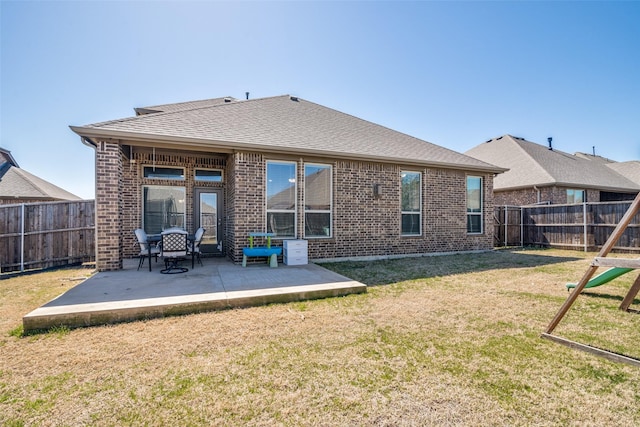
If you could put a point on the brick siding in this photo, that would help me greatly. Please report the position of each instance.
(363, 225)
(529, 196)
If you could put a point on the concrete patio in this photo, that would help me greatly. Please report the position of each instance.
(129, 294)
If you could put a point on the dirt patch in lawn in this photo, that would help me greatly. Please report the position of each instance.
(451, 340)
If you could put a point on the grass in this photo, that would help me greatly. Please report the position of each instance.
(450, 340)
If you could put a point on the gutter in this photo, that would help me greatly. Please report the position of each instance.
(88, 142)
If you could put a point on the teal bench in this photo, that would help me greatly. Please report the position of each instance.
(261, 251)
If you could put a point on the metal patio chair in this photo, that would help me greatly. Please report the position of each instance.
(147, 250)
(194, 247)
(173, 249)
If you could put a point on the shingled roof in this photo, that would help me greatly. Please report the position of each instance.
(630, 170)
(532, 164)
(281, 124)
(16, 183)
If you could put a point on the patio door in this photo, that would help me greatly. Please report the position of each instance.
(209, 213)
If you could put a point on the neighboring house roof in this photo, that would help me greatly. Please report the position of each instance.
(532, 164)
(630, 170)
(16, 183)
(281, 124)
(6, 160)
(19, 184)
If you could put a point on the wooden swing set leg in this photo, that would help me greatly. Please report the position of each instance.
(628, 299)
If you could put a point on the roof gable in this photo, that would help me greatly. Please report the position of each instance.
(20, 184)
(532, 164)
(282, 124)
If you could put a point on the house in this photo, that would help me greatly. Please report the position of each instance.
(542, 174)
(284, 165)
(19, 186)
(629, 169)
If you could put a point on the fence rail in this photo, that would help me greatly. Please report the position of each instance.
(43, 235)
(585, 226)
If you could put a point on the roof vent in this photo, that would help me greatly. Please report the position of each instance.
(294, 98)
(227, 99)
(550, 146)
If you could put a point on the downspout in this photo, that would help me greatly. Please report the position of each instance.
(538, 197)
(88, 142)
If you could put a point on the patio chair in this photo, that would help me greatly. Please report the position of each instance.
(147, 250)
(173, 249)
(194, 247)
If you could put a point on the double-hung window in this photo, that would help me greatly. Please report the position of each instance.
(411, 203)
(474, 204)
(575, 196)
(281, 198)
(317, 200)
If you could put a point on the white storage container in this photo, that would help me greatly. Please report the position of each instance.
(295, 252)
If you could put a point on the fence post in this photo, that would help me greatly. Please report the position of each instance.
(521, 226)
(506, 228)
(584, 220)
(22, 238)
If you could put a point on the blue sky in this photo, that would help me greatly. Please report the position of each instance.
(452, 73)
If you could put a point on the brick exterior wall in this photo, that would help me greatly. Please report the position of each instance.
(363, 225)
(529, 196)
(17, 201)
(133, 180)
(109, 230)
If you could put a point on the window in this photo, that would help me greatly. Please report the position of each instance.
(208, 175)
(162, 207)
(317, 200)
(281, 198)
(155, 172)
(474, 204)
(575, 196)
(411, 203)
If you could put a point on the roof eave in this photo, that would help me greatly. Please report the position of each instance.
(228, 146)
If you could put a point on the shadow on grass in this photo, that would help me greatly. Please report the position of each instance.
(384, 272)
(606, 296)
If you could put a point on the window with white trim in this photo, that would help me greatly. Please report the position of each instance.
(163, 207)
(281, 198)
(474, 204)
(317, 200)
(411, 203)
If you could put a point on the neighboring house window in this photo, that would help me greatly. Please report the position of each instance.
(162, 207)
(156, 172)
(317, 200)
(208, 175)
(411, 211)
(281, 198)
(474, 204)
(575, 196)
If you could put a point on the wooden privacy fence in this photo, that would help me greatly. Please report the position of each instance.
(43, 235)
(585, 226)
